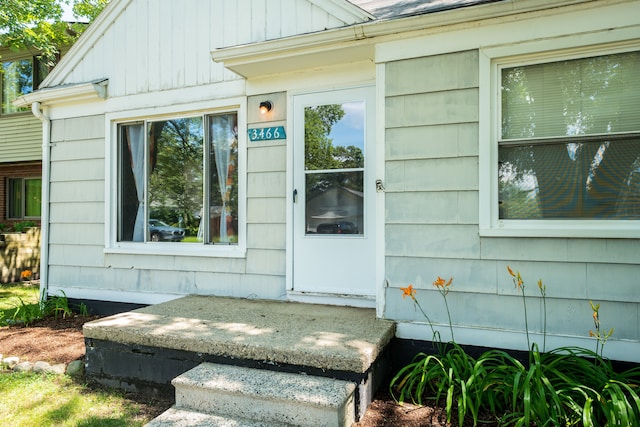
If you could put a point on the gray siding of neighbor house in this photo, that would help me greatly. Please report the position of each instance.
(432, 223)
(20, 138)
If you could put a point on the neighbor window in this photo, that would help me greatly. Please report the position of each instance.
(178, 180)
(569, 140)
(24, 197)
(20, 77)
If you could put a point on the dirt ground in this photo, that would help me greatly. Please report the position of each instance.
(61, 341)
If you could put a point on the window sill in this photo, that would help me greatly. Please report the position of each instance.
(179, 249)
(564, 229)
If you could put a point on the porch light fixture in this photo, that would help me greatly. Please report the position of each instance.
(265, 107)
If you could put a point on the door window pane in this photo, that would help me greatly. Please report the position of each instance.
(334, 169)
(334, 203)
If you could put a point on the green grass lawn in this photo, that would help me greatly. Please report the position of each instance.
(15, 295)
(28, 399)
(11, 294)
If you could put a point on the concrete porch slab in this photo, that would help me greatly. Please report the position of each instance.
(318, 336)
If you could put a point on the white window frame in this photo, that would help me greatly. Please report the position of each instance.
(112, 245)
(491, 61)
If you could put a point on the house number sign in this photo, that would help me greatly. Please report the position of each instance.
(267, 134)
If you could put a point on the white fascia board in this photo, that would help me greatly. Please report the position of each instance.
(315, 50)
(357, 42)
(65, 94)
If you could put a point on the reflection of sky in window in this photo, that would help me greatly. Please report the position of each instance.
(350, 129)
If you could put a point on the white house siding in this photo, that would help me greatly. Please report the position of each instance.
(20, 138)
(432, 207)
(147, 50)
(155, 45)
(76, 238)
(79, 266)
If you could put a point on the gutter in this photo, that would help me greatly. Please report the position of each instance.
(44, 214)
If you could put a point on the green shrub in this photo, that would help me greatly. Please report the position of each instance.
(22, 226)
(566, 386)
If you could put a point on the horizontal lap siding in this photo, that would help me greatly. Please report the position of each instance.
(77, 201)
(431, 170)
(266, 211)
(20, 138)
(431, 222)
(77, 211)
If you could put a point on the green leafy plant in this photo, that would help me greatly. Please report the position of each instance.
(22, 226)
(566, 386)
(83, 310)
(601, 336)
(25, 313)
(56, 305)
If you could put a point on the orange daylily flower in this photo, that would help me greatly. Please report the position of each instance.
(408, 291)
(511, 271)
(26, 274)
(441, 283)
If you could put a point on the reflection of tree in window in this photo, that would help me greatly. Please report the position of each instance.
(568, 150)
(162, 173)
(175, 171)
(321, 154)
(334, 169)
(19, 77)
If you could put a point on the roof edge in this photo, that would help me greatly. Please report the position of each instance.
(238, 58)
(66, 93)
(86, 40)
(344, 10)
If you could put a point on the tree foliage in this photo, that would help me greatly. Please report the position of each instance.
(37, 26)
(318, 122)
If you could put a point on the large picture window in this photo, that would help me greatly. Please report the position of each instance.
(569, 140)
(24, 197)
(178, 180)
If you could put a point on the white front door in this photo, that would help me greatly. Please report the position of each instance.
(334, 192)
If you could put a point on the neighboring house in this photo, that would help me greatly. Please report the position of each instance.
(20, 165)
(465, 136)
(20, 139)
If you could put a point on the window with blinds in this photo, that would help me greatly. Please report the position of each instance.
(569, 145)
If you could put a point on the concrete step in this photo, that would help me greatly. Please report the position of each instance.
(183, 418)
(266, 396)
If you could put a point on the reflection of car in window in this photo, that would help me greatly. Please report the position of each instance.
(341, 227)
(162, 232)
